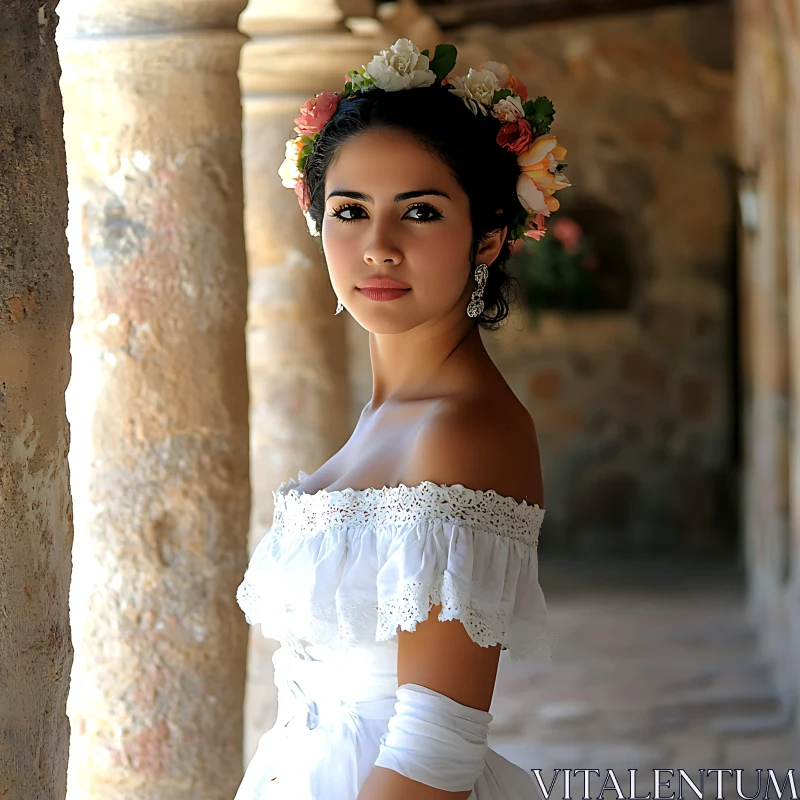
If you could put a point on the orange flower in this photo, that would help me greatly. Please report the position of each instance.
(536, 157)
(531, 196)
(518, 87)
(540, 163)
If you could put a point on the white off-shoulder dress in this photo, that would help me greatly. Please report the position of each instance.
(334, 578)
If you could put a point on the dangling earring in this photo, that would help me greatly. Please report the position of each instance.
(339, 308)
(475, 307)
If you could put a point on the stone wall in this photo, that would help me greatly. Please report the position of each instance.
(633, 408)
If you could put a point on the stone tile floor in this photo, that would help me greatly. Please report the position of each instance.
(655, 666)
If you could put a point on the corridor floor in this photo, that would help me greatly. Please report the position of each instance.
(655, 667)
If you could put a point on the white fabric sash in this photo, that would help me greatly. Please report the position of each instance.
(435, 740)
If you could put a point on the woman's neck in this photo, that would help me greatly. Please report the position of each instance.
(414, 366)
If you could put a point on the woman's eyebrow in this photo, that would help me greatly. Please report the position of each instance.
(398, 198)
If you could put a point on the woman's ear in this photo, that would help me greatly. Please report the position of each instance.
(490, 246)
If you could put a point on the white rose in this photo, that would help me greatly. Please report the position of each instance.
(509, 109)
(402, 66)
(312, 226)
(476, 89)
(500, 70)
(289, 171)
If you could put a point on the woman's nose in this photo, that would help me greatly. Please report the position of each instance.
(382, 248)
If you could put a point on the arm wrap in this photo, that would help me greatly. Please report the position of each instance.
(435, 740)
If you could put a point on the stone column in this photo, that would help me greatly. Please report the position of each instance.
(297, 348)
(788, 17)
(761, 155)
(769, 157)
(788, 22)
(159, 397)
(35, 504)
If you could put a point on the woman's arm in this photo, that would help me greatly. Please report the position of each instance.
(386, 784)
(442, 657)
(457, 448)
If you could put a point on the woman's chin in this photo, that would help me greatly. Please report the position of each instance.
(381, 320)
(375, 325)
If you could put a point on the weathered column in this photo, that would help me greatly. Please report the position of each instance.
(297, 349)
(159, 398)
(788, 13)
(769, 157)
(35, 505)
(761, 156)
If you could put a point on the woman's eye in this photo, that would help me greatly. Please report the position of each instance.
(347, 213)
(424, 213)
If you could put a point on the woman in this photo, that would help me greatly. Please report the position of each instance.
(392, 604)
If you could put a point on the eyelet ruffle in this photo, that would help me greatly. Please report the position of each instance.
(350, 568)
(296, 511)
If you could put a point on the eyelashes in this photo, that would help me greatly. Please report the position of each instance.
(434, 215)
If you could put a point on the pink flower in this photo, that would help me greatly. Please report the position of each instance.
(302, 195)
(535, 234)
(536, 228)
(515, 136)
(569, 233)
(518, 87)
(316, 112)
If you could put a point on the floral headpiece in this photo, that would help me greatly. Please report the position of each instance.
(491, 89)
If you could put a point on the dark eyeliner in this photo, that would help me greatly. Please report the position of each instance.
(337, 213)
(427, 207)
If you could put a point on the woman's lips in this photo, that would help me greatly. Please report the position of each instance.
(380, 294)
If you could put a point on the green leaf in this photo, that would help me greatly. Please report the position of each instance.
(426, 52)
(444, 59)
(540, 113)
(501, 94)
(544, 106)
(304, 154)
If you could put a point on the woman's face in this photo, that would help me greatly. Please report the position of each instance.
(393, 209)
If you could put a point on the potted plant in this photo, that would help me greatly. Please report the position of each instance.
(557, 271)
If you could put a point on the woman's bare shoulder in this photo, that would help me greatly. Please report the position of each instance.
(482, 442)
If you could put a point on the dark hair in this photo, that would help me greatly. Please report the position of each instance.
(464, 141)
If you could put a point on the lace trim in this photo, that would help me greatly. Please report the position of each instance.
(296, 511)
(347, 626)
(486, 627)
